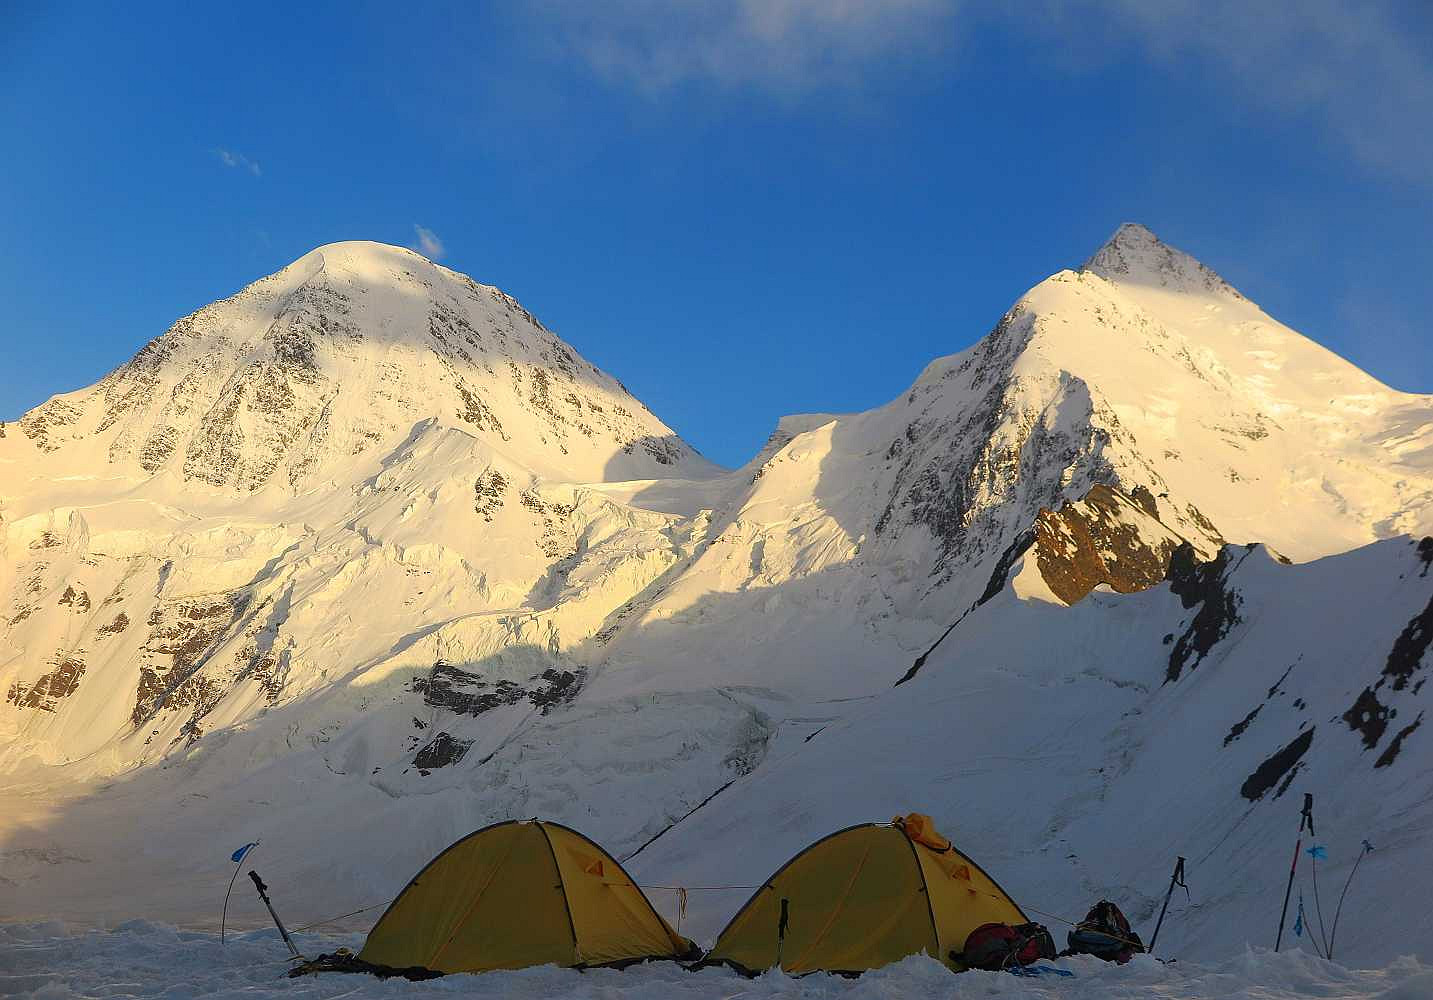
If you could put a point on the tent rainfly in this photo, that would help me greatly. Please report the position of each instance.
(517, 894)
(864, 897)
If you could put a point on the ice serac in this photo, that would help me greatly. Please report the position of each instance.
(365, 539)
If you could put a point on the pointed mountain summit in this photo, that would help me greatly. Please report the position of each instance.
(1134, 255)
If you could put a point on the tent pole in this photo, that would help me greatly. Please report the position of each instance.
(1333, 933)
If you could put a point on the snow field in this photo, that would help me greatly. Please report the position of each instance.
(141, 959)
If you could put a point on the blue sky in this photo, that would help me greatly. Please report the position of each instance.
(741, 208)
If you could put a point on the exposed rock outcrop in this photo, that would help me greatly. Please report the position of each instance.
(1105, 538)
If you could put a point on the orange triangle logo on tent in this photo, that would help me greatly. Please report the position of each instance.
(961, 871)
(594, 867)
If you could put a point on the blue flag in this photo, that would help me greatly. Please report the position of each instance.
(1318, 852)
(238, 855)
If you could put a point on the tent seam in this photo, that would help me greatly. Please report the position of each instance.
(458, 924)
(562, 884)
(835, 910)
(769, 883)
(925, 887)
(640, 891)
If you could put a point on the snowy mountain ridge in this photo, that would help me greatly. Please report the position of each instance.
(365, 539)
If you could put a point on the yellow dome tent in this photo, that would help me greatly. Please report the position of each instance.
(517, 894)
(864, 897)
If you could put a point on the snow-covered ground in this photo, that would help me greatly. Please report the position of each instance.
(143, 959)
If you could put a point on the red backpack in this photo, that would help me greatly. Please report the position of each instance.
(999, 946)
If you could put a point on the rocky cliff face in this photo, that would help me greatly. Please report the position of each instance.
(1108, 539)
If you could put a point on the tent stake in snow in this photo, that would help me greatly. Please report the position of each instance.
(1306, 819)
(264, 895)
(1177, 879)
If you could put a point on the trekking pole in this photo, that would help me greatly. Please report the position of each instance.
(1306, 819)
(1333, 932)
(264, 895)
(1177, 879)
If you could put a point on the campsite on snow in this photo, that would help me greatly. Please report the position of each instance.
(707, 499)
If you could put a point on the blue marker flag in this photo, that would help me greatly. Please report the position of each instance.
(1318, 852)
(238, 855)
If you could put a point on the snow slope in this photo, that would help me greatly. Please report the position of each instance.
(1075, 751)
(363, 558)
(145, 959)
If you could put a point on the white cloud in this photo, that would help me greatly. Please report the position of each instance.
(429, 245)
(238, 161)
(1353, 70)
(788, 46)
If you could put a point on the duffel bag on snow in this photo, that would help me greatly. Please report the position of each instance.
(1106, 934)
(999, 946)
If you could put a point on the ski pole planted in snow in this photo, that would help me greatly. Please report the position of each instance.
(1177, 879)
(264, 895)
(1306, 819)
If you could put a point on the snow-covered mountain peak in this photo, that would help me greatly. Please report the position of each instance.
(1135, 255)
(312, 373)
(361, 250)
(377, 266)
